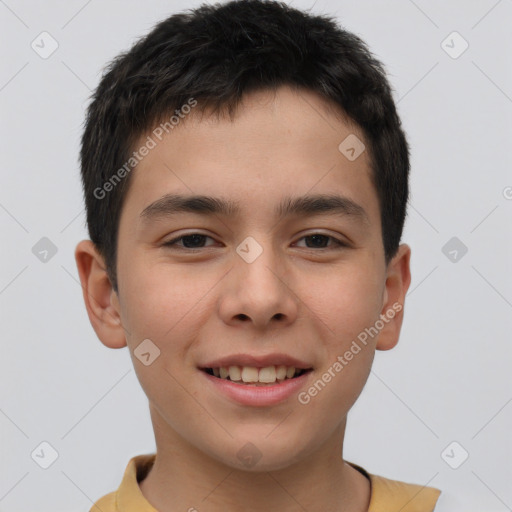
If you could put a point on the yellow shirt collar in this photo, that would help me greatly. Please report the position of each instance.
(386, 494)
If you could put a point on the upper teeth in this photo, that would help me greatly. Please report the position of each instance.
(266, 375)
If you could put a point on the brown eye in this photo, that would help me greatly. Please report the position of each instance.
(320, 241)
(190, 241)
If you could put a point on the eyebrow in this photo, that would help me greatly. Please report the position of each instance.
(318, 204)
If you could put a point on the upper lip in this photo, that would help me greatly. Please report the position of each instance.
(260, 361)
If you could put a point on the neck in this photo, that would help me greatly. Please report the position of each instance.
(184, 478)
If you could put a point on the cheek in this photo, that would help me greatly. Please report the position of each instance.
(347, 305)
(162, 305)
(347, 302)
(160, 301)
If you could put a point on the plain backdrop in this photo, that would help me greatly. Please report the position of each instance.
(447, 381)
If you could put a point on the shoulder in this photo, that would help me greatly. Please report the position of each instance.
(388, 494)
(406, 497)
(105, 504)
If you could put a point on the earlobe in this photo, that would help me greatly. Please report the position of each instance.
(398, 280)
(99, 297)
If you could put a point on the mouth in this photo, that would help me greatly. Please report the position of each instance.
(256, 376)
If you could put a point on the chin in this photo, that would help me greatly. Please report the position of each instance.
(260, 453)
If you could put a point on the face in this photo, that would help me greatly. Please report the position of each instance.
(284, 269)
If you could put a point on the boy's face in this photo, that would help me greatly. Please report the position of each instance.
(283, 294)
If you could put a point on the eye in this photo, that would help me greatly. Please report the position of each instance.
(319, 241)
(197, 241)
(189, 241)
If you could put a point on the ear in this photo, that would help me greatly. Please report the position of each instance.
(398, 279)
(100, 299)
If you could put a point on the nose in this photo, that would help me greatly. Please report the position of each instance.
(258, 293)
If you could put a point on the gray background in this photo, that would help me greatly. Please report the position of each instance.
(449, 377)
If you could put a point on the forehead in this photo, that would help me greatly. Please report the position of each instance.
(279, 144)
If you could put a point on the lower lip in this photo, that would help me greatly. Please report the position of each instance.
(258, 396)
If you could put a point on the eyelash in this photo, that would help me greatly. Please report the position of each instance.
(173, 243)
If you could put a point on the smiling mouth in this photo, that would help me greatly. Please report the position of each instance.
(266, 376)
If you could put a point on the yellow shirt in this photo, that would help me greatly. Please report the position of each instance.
(386, 495)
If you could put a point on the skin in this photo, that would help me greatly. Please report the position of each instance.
(296, 298)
